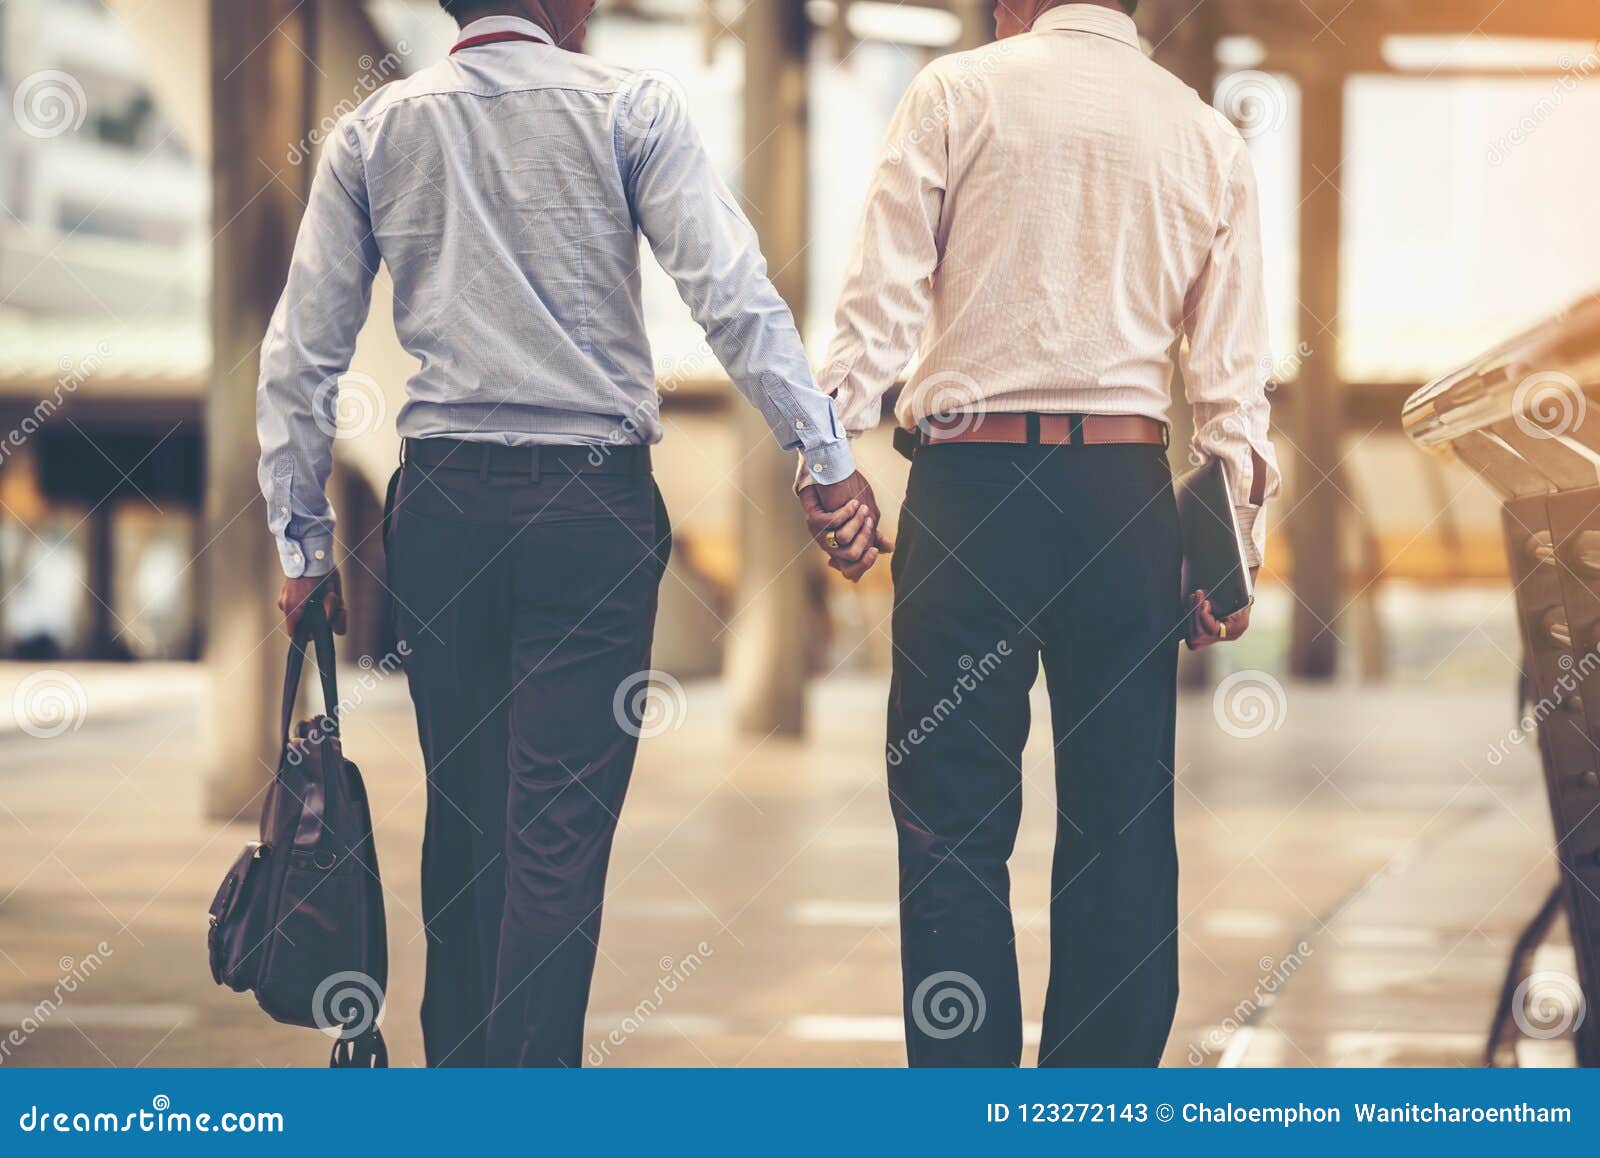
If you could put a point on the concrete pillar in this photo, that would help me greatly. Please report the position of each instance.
(100, 640)
(977, 23)
(261, 84)
(767, 650)
(1314, 527)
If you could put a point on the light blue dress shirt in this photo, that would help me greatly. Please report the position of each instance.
(506, 188)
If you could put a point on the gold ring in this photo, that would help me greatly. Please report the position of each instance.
(832, 539)
(1224, 628)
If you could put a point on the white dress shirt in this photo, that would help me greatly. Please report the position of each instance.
(1051, 213)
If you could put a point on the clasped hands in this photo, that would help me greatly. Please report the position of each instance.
(845, 521)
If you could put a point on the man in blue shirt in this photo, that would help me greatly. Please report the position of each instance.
(505, 188)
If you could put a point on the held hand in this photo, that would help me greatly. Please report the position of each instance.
(845, 521)
(1205, 629)
(292, 601)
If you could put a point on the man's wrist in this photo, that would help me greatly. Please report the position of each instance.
(827, 464)
(307, 558)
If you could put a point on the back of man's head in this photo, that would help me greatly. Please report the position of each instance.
(468, 10)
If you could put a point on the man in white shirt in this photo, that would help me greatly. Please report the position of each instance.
(1053, 214)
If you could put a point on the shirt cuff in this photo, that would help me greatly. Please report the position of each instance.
(826, 464)
(306, 558)
(1252, 533)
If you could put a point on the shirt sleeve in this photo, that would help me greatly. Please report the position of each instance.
(888, 288)
(1227, 358)
(307, 348)
(709, 249)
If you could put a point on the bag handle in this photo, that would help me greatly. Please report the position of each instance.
(314, 627)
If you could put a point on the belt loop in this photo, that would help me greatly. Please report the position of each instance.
(1032, 420)
(533, 469)
(483, 462)
(1075, 429)
(1166, 436)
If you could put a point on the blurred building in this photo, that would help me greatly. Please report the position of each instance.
(1426, 184)
(103, 343)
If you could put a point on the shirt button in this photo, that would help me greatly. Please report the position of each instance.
(283, 510)
(322, 554)
(799, 425)
(816, 469)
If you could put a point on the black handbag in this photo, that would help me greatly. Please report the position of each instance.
(299, 918)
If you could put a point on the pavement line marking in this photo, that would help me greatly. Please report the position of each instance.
(15, 1014)
(836, 1027)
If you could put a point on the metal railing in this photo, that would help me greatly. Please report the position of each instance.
(1520, 417)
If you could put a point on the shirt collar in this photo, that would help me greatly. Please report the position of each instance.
(491, 24)
(1092, 18)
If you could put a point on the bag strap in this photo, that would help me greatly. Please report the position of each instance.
(364, 1052)
(313, 626)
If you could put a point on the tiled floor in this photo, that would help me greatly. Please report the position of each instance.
(1352, 881)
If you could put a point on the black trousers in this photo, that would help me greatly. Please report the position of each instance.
(527, 607)
(1007, 554)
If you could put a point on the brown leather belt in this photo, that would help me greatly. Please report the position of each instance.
(1046, 429)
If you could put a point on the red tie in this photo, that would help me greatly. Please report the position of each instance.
(494, 38)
